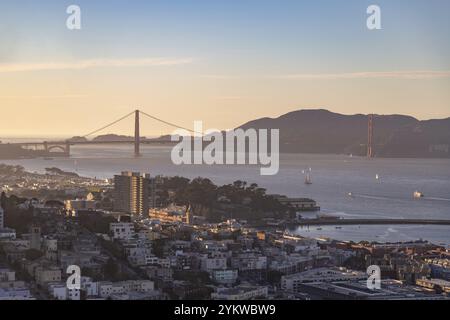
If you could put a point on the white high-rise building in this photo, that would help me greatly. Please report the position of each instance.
(2, 218)
(35, 239)
(131, 193)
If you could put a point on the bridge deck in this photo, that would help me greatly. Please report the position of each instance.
(93, 142)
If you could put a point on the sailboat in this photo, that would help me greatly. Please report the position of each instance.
(308, 179)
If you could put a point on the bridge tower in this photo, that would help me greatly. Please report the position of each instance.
(137, 137)
(68, 148)
(370, 137)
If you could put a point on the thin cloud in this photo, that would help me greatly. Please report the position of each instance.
(230, 98)
(412, 75)
(219, 76)
(63, 96)
(94, 63)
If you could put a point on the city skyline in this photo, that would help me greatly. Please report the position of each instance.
(222, 63)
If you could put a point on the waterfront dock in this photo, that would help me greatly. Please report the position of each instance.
(340, 222)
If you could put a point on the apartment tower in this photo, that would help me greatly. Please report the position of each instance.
(131, 193)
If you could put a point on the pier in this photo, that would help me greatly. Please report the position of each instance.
(343, 222)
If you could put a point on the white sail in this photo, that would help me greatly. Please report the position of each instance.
(308, 179)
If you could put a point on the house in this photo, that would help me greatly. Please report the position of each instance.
(46, 274)
(240, 293)
(225, 277)
(59, 291)
(122, 230)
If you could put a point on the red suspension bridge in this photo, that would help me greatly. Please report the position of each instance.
(62, 148)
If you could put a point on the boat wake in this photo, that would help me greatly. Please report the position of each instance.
(436, 199)
(368, 196)
(375, 197)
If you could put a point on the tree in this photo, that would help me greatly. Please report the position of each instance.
(201, 191)
(111, 269)
(33, 254)
(274, 277)
(355, 262)
(158, 247)
(3, 200)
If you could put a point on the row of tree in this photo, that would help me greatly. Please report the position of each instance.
(243, 199)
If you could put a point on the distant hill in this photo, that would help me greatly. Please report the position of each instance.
(322, 131)
(77, 139)
(113, 137)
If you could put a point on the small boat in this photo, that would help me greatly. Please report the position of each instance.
(377, 177)
(418, 195)
(350, 194)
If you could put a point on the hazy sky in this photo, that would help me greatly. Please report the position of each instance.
(223, 62)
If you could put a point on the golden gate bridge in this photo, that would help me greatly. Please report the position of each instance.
(62, 148)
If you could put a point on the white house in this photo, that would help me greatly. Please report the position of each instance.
(122, 230)
(59, 291)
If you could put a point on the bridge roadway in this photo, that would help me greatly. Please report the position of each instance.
(150, 141)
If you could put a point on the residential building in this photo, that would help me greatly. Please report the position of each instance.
(169, 214)
(46, 274)
(35, 238)
(79, 204)
(122, 230)
(59, 291)
(131, 193)
(15, 294)
(438, 285)
(440, 268)
(7, 234)
(2, 218)
(249, 261)
(214, 262)
(294, 281)
(240, 293)
(7, 275)
(225, 277)
(89, 286)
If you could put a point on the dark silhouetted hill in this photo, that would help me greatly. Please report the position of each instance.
(322, 131)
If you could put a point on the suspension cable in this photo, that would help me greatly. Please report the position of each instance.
(146, 114)
(108, 125)
(169, 123)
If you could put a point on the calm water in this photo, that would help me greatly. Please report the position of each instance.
(334, 177)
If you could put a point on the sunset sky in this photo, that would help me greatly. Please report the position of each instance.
(223, 62)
